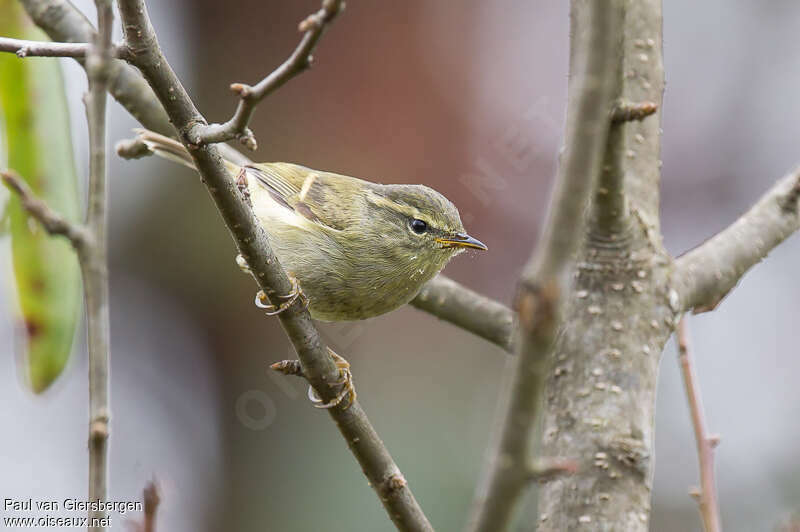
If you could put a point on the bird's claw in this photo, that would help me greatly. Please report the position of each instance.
(243, 264)
(291, 297)
(347, 390)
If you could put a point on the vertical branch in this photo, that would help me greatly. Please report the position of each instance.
(600, 395)
(707, 497)
(595, 36)
(93, 260)
(151, 500)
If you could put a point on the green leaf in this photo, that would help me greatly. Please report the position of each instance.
(36, 135)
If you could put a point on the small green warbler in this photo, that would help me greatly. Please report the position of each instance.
(357, 249)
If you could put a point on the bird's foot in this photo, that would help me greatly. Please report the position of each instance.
(291, 298)
(243, 264)
(345, 384)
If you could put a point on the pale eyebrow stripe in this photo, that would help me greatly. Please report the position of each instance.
(407, 210)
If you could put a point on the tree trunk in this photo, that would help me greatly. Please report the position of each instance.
(600, 393)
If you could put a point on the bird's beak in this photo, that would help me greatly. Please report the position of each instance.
(459, 240)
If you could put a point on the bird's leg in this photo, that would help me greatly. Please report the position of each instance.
(345, 383)
(291, 297)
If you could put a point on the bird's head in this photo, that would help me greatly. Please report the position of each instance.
(419, 223)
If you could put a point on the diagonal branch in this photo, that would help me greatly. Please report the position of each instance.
(249, 97)
(318, 367)
(707, 497)
(706, 274)
(53, 222)
(593, 85)
(25, 48)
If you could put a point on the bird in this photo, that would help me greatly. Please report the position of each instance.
(353, 248)
(357, 249)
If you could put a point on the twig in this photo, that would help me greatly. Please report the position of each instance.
(134, 148)
(250, 96)
(544, 470)
(252, 243)
(593, 86)
(94, 261)
(25, 48)
(707, 496)
(629, 111)
(610, 208)
(457, 304)
(706, 274)
(53, 223)
(152, 498)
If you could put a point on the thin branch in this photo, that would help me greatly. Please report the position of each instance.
(318, 367)
(53, 223)
(464, 308)
(593, 85)
(94, 261)
(25, 48)
(706, 274)
(250, 96)
(152, 498)
(134, 148)
(707, 497)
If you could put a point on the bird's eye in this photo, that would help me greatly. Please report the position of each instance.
(418, 226)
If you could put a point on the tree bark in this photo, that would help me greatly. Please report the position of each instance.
(595, 37)
(600, 394)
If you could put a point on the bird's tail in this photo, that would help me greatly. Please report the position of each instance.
(173, 150)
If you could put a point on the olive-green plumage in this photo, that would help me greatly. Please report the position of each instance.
(357, 249)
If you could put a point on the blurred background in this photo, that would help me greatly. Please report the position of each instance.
(469, 99)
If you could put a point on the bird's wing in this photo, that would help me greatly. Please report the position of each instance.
(318, 197)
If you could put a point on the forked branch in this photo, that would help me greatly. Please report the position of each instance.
(250, 96)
